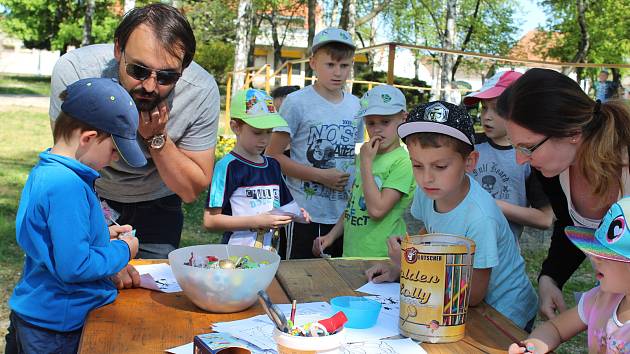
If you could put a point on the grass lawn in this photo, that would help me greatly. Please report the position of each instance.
(24, 85)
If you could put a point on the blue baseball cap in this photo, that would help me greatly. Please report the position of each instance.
(105, 105)
(611, 240)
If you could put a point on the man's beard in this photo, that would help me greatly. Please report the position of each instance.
(145, 104)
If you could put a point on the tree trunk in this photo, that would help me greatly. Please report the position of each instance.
(252, 35)
(87, 23)
(467, 39)
(312, 5)
(344, 18)
(243, 32)
(585, 43)
(351, 28)
(448, 41)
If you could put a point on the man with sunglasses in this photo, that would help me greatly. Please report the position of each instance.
(178, 104)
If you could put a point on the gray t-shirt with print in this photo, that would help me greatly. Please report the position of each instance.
(192, 125)
(323, 135)
(499, 174)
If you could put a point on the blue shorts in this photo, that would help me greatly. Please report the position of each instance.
(30, 339)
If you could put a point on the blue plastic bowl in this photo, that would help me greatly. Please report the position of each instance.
(361, 312)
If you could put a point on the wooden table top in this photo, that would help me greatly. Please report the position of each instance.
(144, 321)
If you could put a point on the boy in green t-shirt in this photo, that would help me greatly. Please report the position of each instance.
(383, 189)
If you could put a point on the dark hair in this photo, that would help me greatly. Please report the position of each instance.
(437, 140)
(337, 50)
(552, 104)
(169, 26)
(282, 91)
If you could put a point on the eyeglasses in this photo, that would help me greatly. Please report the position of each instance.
(140, 72)
(529, 151)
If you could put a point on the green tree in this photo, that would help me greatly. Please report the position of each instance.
(46, 24)
(599, 33)
(486, 26)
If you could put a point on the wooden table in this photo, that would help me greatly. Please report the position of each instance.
(144, 321)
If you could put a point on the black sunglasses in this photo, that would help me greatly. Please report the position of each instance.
(140, 72)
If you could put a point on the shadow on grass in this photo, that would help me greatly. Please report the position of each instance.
(19, 91)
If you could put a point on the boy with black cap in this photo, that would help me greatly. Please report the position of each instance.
(440, 140)
(247, 185)
(69, 252)
(322, 131)
(383, 186)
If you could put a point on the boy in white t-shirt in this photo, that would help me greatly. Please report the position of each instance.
(322, 131)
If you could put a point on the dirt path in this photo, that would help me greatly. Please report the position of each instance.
(33, 101)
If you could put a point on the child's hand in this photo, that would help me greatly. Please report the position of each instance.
(369, 150)
(333, 178)
(393, 249)
(117, 230)
(529, 347)
(127, 278)
(383, 272)
(320, 244)
(306, 215)
(132, 242)
(269, 221)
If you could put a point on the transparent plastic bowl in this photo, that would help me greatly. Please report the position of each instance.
(361, 312)
(223, 290)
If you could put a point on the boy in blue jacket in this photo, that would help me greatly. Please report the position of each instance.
(70, 254)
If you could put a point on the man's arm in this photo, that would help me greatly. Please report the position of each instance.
(185, 172)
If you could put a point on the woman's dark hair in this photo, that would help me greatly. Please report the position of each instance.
(169, 26)
(283, 91)
(552, 104)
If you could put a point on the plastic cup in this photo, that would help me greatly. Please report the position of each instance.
(361, 312)
(288, 344)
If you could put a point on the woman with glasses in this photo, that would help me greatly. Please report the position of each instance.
(581, 146)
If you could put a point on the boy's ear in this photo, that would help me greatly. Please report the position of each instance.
(311, 62)
(235, 126)
(87, 136)
(471, 161)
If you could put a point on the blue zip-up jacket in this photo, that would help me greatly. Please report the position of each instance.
(69, 257)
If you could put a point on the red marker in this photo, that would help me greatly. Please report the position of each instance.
(293, 306)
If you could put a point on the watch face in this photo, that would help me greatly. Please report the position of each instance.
(158, 141)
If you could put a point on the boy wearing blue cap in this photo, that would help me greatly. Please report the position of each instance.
(70, 254)
(247, 185)
(383, 188)
(322, 131)
(604, 311)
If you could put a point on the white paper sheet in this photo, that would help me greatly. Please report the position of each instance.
(258, 330)
(292, 209)
(386, 346)
(158, 277)
(383, 289)
(182, 349)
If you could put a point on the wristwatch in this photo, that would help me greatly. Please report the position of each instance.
(157, 141)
